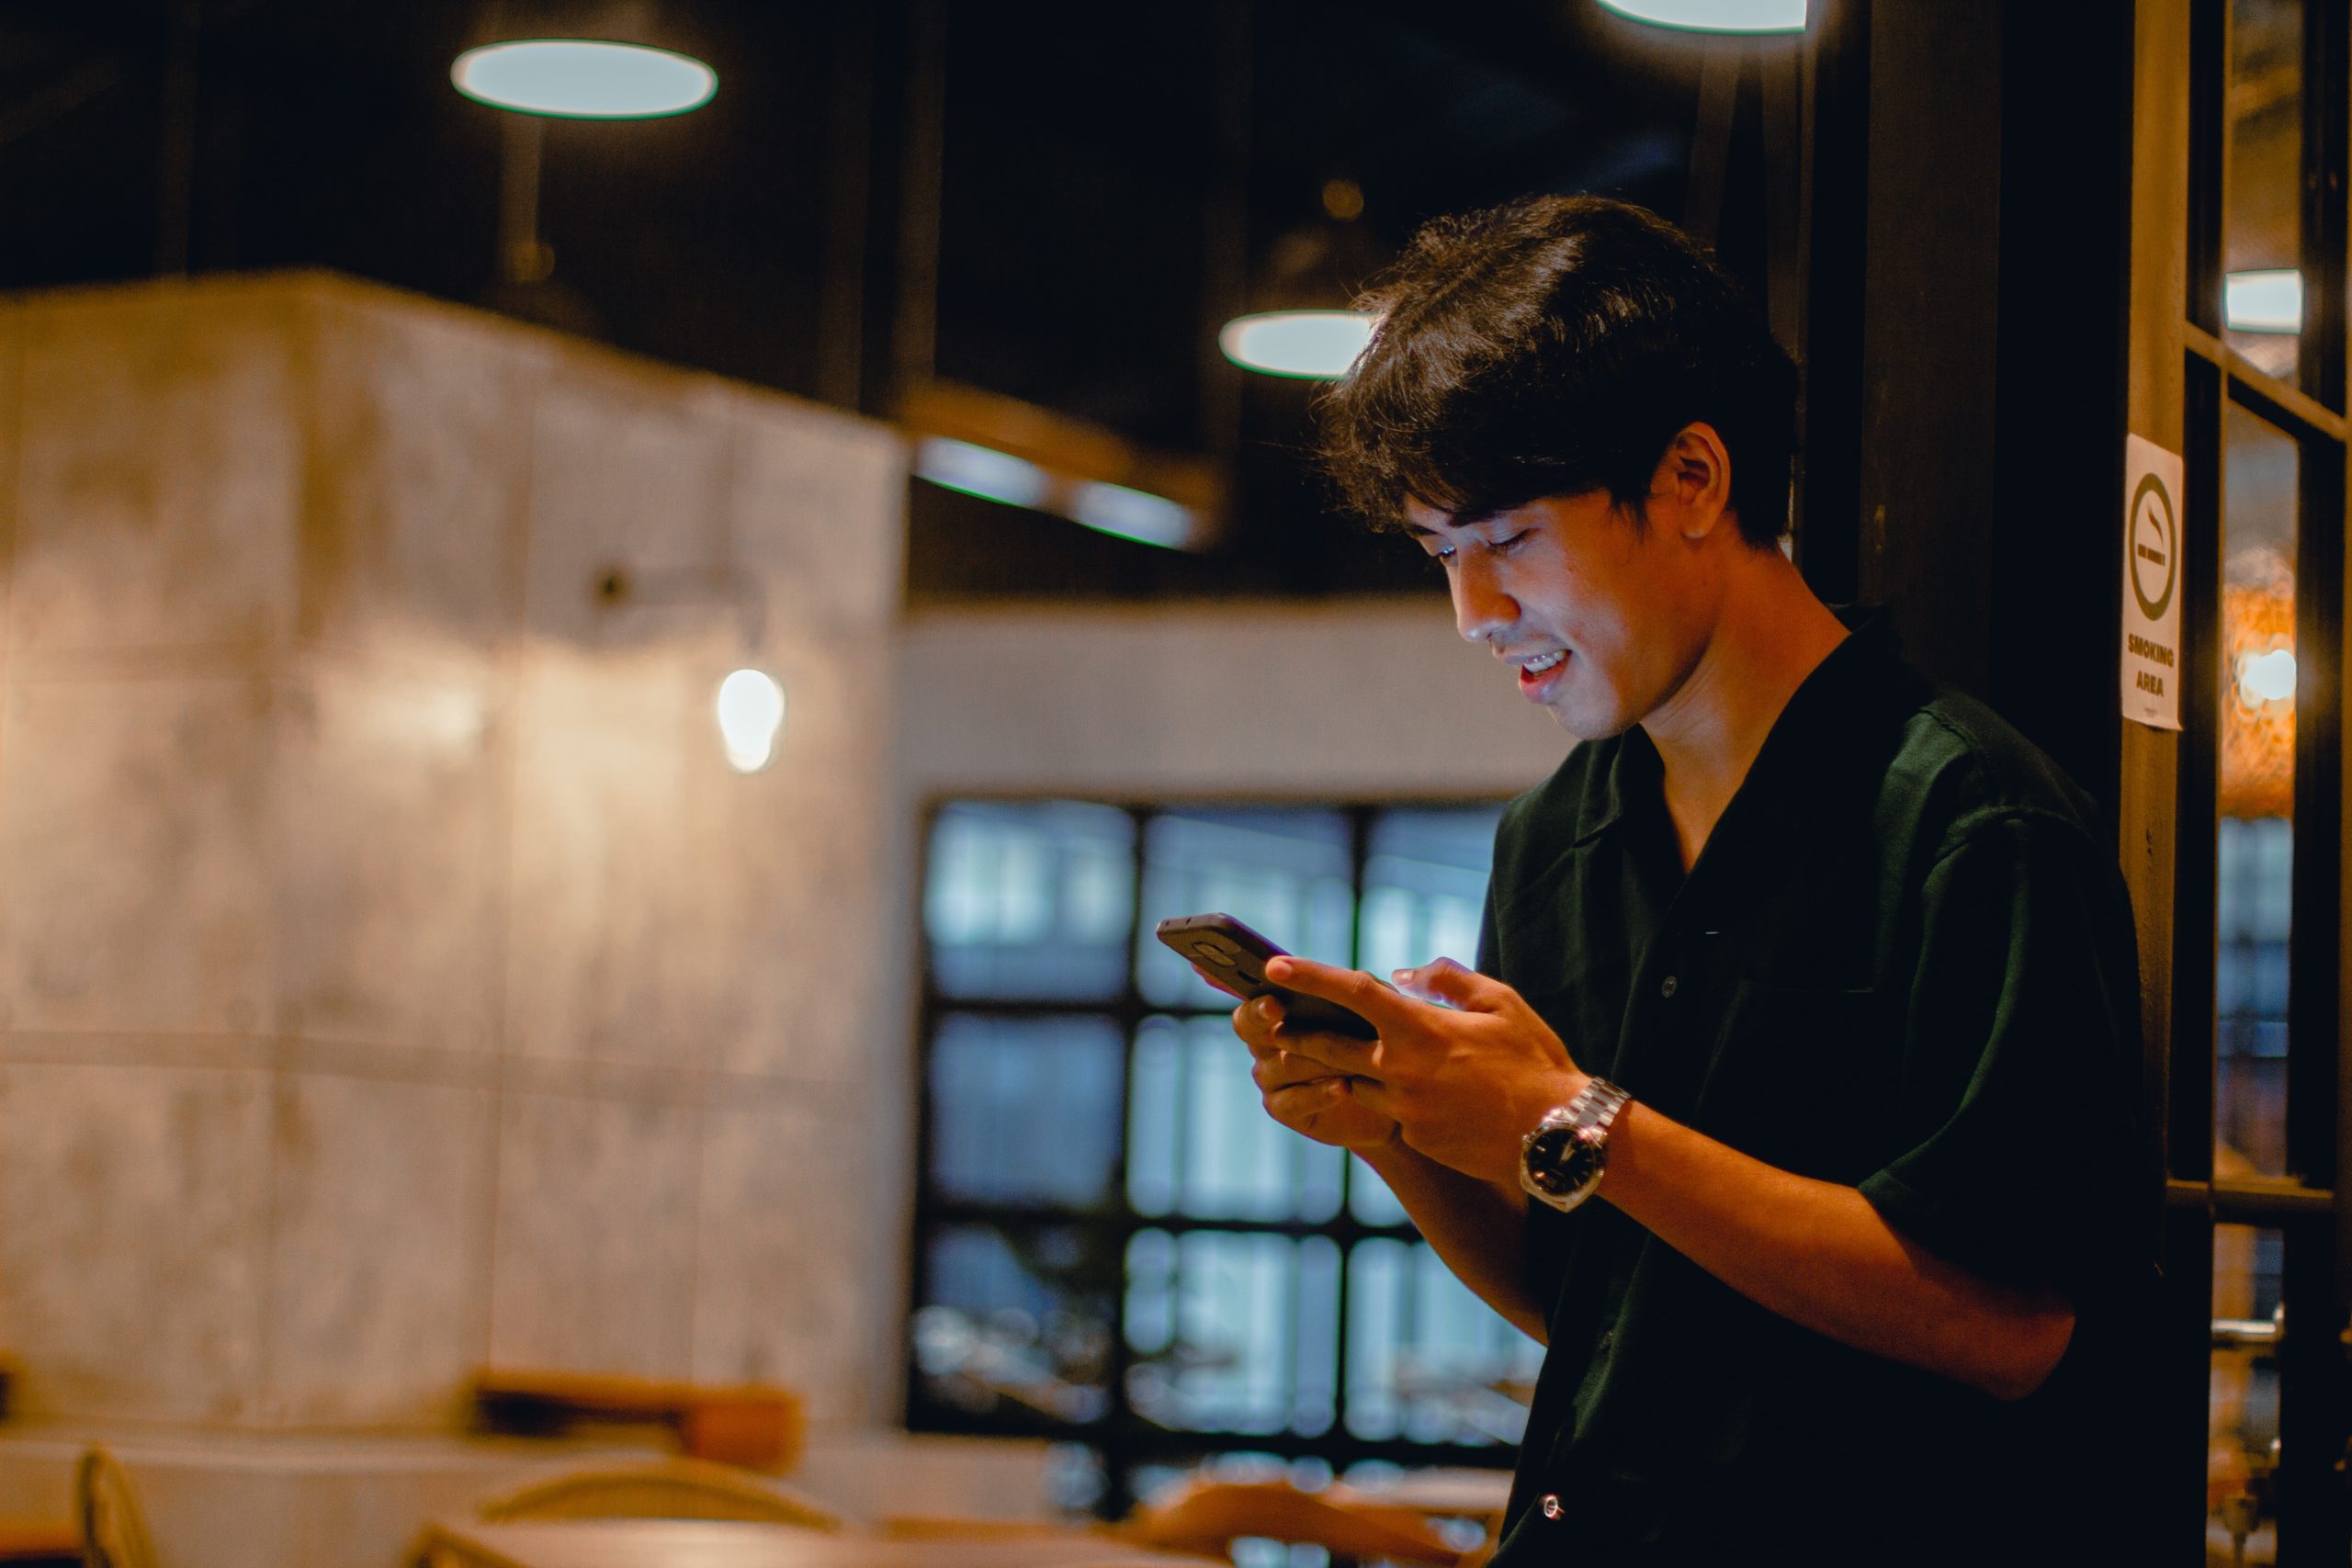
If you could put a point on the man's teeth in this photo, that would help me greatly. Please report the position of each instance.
(1537, 666)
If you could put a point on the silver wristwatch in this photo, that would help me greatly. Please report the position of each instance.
(1561, 1161)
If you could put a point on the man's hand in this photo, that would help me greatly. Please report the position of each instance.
(1462, 1082)
(1302, 1093)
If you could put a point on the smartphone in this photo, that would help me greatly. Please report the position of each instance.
(1236, 956)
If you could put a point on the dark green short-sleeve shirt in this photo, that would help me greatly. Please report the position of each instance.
(1905, 961)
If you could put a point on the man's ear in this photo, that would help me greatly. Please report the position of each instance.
(1694, 477)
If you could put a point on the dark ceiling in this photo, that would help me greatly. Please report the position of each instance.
(1111, 183)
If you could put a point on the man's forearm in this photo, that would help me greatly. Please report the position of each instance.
(1819, 1254)
(1479, 1228)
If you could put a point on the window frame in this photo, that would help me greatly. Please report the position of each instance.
(1126, 1440)
(2184, 63)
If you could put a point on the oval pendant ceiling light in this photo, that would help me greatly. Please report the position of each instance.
(1716, 16)
(583, 79)
(1316, 343)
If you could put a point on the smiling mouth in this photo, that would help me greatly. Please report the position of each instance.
(1537, 675)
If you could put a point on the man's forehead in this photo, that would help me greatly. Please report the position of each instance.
(1429, 522)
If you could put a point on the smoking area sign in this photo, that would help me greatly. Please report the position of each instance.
(2152, 586)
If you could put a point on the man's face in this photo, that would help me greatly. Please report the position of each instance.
(1594, 613)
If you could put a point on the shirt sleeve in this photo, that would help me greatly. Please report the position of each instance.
(2022, 1055)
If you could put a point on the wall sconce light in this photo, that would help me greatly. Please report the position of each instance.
(751, 704)
(751, 714)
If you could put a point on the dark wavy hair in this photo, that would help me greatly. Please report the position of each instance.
(1555, 345)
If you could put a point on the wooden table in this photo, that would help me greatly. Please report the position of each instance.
(694, 1543)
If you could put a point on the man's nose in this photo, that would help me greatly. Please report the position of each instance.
(1481, 608)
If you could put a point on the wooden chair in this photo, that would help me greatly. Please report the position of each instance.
(113, 1532)
(1209, 1517)
(657, 1489)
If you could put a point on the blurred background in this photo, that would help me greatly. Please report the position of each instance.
(600, 699)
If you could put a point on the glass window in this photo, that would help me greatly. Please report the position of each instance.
(1424, 1355)
(2242, 1435)
(2261, 244)
(1288, 875)
(1200, 1141)
(1030, 900)
(2256, 777)
(1115, 1239)
(1424, 885)
(1026, 1109)
(1232, 1331)
(1017, 1320)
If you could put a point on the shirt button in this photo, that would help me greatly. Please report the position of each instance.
(1551, 1505)
(1667, 987)
(1608, 1338)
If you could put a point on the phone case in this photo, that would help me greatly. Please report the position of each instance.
(1236, 956)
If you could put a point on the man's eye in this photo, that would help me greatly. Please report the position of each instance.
(1501, 546)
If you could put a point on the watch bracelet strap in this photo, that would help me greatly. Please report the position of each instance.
(1594, 1109)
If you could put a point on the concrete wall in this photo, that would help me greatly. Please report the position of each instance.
(1359, 699)
(393, 977)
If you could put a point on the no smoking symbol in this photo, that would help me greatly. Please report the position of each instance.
(2154, 540)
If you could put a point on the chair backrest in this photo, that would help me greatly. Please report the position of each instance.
(657, 1489)
(113, 1532)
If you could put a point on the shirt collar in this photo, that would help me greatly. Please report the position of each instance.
(1818, 719)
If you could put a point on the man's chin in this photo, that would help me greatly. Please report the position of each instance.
(1583, 726)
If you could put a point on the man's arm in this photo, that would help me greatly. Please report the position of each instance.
(1819, 1254)
(1463, 1081)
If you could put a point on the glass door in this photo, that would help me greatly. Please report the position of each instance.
(2238, 280)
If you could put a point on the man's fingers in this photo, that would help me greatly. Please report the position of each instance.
(1280, 1069)
(1454, 983)
(1297, 1102)
(1360, 993)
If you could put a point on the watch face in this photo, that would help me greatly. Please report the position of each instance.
(1559, 1161)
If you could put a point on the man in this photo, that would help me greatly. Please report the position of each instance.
(1792, 1104)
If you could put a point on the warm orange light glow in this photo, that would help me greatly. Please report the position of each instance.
(2258, 698)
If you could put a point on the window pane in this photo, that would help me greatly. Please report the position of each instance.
(1233, 1332)
(2254, 876)
(2262, 240)
(2242, 1436)
(1026, 1109)
(1016, 1322)
(1424, 1353)
(1289, 874)
(1425, 881)
(1025, 901)
(1369, 1198)
(1204, 1144)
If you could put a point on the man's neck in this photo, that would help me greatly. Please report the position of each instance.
(1709, 732)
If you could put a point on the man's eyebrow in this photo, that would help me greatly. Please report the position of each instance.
(1458, 521)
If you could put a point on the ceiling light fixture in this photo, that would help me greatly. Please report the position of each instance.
(1319, 344)
(2266, 301)
(969, 468)
(583, 79)
(1005, 450)
(1715, 15)
(1133, 515)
